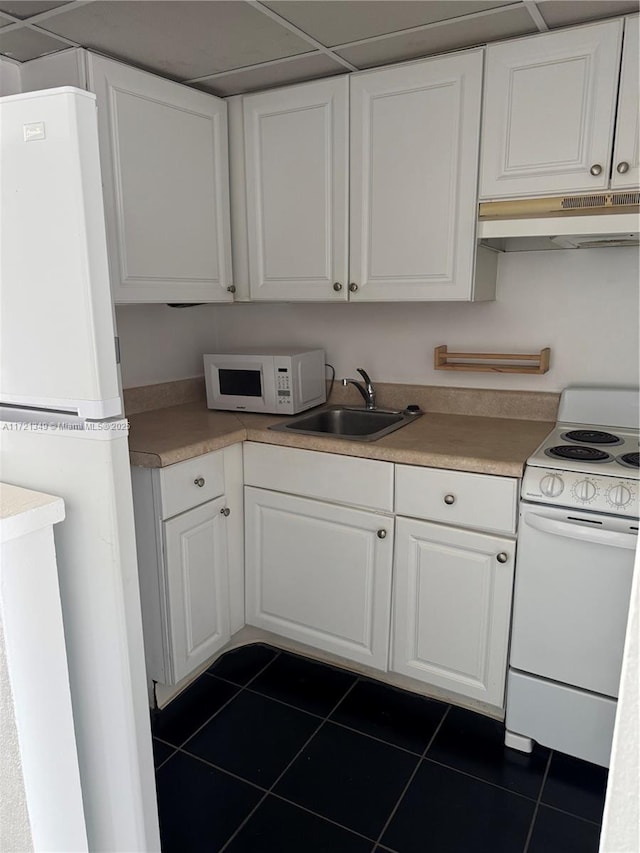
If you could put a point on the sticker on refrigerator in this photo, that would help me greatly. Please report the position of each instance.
(33, 131)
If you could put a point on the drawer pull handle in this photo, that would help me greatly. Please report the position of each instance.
(449, 499)
(382, 534)
(502, 557)
(225, 511)
(199, 481)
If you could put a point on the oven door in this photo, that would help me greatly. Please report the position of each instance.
(573, 583)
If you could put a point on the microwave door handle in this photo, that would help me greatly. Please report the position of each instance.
(583, 532)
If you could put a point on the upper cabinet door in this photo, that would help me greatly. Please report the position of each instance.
(626, 156)
(296, 153)
(414, 166)
(549, 112)
(166, 186)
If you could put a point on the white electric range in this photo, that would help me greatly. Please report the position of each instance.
(587, 465)
(577, 538)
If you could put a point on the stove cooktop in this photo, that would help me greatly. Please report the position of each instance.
(586, 467)
(599, 450)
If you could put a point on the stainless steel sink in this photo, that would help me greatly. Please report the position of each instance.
(351, 423)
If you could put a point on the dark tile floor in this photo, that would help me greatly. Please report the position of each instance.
(268, 752)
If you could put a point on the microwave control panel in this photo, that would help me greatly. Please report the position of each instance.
(283, 388)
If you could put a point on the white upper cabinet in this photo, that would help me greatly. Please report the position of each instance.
(368, 199)
(164, 164)
(549, 112)
(296, 157)
(626, 153)
(414, 169)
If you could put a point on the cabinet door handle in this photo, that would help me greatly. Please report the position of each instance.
(353, 287)
(596, 170)
(231, 288)
(449, 499)
(199, 481)
(502, 557)
(622, 168)
(225, 511)
(382, 533)
(337, 286)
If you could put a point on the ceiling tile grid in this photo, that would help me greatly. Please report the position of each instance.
(232, 46)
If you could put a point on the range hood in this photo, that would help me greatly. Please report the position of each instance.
(600, 220)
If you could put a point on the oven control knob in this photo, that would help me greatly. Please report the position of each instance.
(551, 485)
(585, 490)
(619, 495)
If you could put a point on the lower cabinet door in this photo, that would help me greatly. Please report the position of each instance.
(319, 573)
(197, 585)
(452, 608)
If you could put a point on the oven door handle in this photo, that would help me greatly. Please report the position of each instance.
(582, 532)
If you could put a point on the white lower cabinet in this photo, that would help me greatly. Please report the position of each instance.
(190, 560)
(452, 608)
(319, 573)
(318, 557)
(195, 546)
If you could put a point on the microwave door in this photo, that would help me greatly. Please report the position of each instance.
(240, 384)
(234, 382)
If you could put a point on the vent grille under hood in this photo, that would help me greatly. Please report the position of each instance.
(607, 219)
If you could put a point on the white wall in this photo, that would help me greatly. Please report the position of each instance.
(9, 77)
(581, 303)
(159, 344)
(15, 828)
(621, 821)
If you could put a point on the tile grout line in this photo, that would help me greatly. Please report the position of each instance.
(537, 805)
(240, 687)
(479, 779)
(336, 723)
(412, 777)
(572, 814)
(377, 739)
(321, 816)
(295, 758)
(224, 770)
(166, 743)
(265, 791)
(327, 719)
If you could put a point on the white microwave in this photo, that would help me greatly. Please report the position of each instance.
(277, 380)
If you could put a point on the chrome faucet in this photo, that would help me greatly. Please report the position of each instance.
(365, 388)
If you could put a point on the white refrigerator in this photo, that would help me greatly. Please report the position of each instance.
(62, 432)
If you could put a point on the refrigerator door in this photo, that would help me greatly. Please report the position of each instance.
(57, 347)
(88, 466)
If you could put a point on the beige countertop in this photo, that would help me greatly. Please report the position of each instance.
(486, 445)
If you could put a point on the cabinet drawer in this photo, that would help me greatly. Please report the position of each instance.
(187, 484)
(456, 497)
(328, 476)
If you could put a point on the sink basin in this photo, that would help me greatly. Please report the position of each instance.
(348, 422)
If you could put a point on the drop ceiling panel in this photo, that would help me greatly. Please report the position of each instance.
(178, 39)
(449, 36)
(28, 8)
(24, 44)
(562, 13)
(278, 74)
(340, 22)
